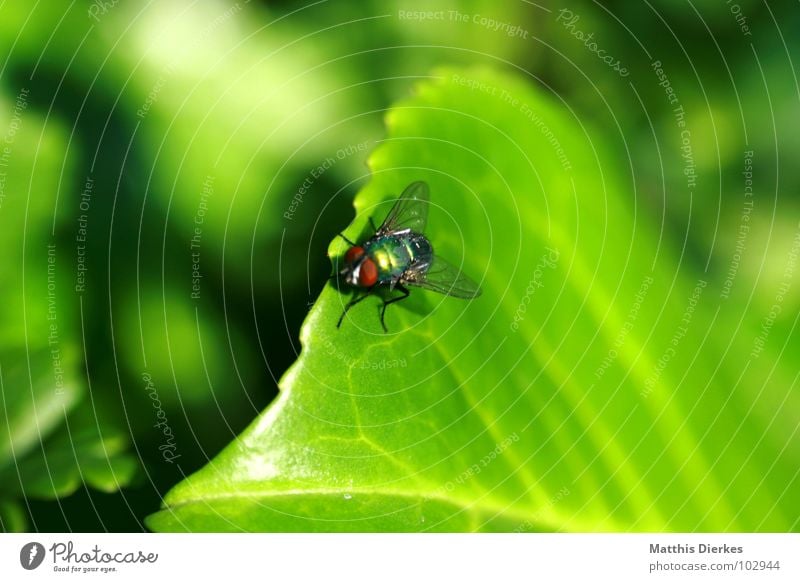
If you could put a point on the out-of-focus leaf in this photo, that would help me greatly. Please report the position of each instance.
(12, 517)
(75, 456)
(48, 429)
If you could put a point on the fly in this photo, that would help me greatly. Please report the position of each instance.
(399, 255)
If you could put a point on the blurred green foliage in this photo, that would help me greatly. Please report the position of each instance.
(183, 116)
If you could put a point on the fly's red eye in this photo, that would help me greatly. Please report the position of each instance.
(353, 254)
(368, 275)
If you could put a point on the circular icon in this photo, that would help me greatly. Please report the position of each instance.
(31, 555)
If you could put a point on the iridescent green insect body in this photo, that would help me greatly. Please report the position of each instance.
(398, 254)
(393, 255)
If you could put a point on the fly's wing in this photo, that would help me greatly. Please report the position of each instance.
(410, 212)
(442, 277)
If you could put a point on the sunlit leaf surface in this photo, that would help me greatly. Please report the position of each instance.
(588, 388)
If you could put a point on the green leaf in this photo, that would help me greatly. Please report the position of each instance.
(77, 454)
(581, 391)
(33, 406)
(55, 442)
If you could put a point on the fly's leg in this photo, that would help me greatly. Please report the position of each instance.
(351, 243)
(372, 224)
(405, 293)
(352, 302)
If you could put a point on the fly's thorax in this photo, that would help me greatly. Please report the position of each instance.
(393, 254)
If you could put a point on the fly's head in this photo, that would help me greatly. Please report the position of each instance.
(359, 270)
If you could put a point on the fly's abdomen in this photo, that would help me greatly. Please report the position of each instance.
(419, 248)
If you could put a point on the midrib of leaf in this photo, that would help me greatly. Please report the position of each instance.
(472, 507)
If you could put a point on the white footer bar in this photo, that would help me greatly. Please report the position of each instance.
(401, 557)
